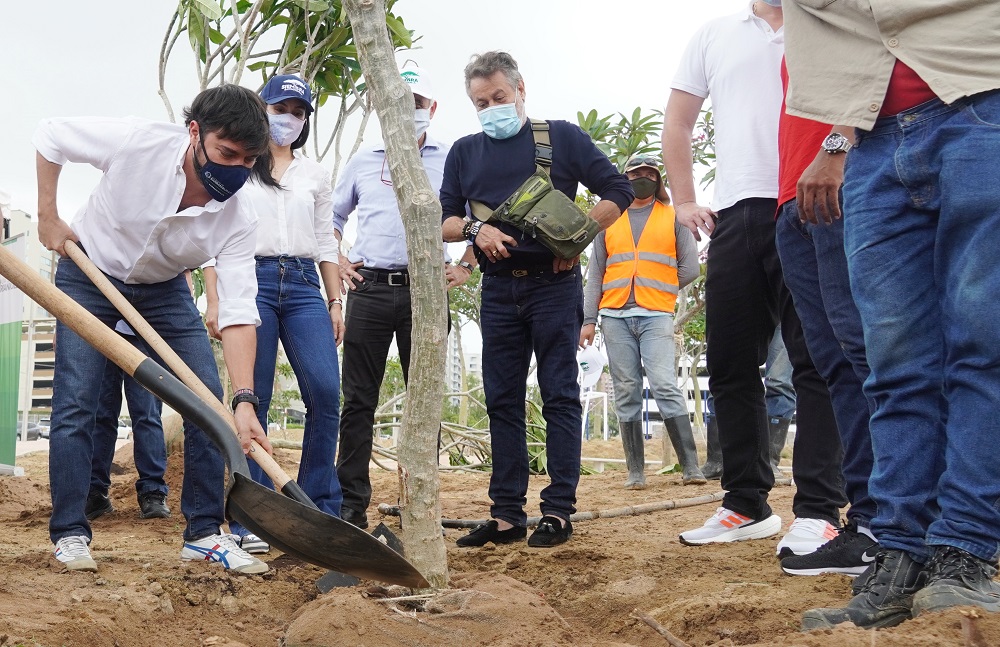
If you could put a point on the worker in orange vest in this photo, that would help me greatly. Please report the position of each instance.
(637, 267)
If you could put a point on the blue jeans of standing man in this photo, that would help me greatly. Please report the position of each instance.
(635, 343)
(521, 315)
(779, 394)
(76, 391)
(293, 309)
(815, 271)
(148, 449)
(922, 230)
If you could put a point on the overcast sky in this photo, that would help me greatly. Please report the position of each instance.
(67, 58)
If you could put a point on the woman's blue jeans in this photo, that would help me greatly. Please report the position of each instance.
(292, 309)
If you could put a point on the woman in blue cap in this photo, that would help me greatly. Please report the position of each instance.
(295, 244)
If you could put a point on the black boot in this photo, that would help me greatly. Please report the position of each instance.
(682, 438)
(778, 429)
(635, 459)
(712, 469)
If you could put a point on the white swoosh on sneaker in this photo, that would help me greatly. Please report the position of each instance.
(866, 558)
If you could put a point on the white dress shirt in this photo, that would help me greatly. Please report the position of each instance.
(366, 185)
(736, 60)
(130, 225)
(298, 219)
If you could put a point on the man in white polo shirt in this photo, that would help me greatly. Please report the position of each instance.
(168, 201)
(735, 60)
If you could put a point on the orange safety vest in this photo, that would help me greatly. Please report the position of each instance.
(650, 268)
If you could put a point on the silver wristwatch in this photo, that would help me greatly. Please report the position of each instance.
(836, 143)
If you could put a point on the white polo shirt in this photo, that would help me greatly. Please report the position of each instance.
(736, 61)
(130, 226)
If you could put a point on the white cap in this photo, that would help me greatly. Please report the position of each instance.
(418, 79)
(592, 364)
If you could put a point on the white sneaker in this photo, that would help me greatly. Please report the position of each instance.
(223, 549)
(726, 526)
(75, 554)
(805, 535)
(254, 544)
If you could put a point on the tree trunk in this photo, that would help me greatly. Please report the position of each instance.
(421, 213)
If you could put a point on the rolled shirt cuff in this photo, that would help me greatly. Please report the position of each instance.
(238, 312)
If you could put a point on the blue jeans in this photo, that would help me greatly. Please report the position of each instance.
(148, 449)
(922, 233)
(76, 392)
(520, 316)
(815, 271)
(293, 309)
(779, 394)
(635, 343)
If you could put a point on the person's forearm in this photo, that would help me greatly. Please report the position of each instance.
(470, 255)
(331, 279)
(605, 213)
(211, 284)
(451, 229)
(239, 349)
(678, 162)
(48, 183)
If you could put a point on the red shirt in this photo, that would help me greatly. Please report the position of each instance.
(799, 141)
(906, 89)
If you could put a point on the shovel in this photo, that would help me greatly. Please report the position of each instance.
(292, 523)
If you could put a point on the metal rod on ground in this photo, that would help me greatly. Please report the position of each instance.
(642, 508)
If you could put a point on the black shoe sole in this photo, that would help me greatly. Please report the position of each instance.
(103, 510)
(155, 514)
(500, 538)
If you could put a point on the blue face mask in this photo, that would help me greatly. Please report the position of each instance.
(219, 180)
(500, 122)
(773, 3)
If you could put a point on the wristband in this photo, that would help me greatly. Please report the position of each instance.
(334, 302)
(245, 395)
(474, 230)
(465, 228)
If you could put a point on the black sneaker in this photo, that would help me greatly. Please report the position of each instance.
(850, 553)
(153, 505)
(958, 578)
(490, 531)
(885, 599)
(549, 533)
(97, 504)
(353, 517)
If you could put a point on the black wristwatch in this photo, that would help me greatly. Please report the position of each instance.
(467, 265)
(245, 395)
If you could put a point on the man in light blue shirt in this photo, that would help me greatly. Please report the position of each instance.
(378, 308)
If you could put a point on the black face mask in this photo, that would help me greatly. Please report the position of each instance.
(643, 187)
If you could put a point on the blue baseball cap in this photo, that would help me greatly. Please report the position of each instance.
(287, 86)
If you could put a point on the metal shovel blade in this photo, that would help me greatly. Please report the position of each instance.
(317, 537)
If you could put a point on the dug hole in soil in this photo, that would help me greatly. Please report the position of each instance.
(584, 592)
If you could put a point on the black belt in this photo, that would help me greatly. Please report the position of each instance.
(395, 278)
(522, 272)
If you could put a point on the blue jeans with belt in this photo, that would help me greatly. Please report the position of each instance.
(293, 309)
(815, 271)
(520, 315)
(76, 390)
(922, 234)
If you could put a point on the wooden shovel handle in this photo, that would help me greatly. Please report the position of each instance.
(172, 360)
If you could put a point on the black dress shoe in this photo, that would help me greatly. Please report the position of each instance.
(353, 517)
(153, 505)
(490, 531)
(550, 533)
(97, 504)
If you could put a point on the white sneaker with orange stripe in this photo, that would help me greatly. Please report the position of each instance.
(726, 526)
(805, 535)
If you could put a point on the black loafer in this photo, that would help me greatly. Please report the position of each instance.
(549, 533)
(490, 531)
(153, 505)
(353, 517)
(97, 505)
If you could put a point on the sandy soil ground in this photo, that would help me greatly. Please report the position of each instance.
(585, 592)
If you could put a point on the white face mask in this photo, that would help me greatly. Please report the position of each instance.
(285, 128)
(421, 120)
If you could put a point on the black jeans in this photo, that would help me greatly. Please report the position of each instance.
(375, 312)
(746, 298)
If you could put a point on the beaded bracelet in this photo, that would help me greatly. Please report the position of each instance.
(334, 302)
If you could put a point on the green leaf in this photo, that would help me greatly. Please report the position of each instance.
(399, 30)
(207, 8)
(312, 5)
(216, 36)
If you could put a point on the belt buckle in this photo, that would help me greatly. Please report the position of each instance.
(519, 273)
(402, 279)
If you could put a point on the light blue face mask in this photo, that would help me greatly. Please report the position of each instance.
(500, 122)
(773, 3)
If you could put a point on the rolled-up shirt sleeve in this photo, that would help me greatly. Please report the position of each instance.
(88, 140)
(237, 284)
(323, 225)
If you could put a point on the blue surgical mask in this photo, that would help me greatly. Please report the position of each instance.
(773, 3)
(219, 180)
(285, 128)
(500, 122)
(421, 120)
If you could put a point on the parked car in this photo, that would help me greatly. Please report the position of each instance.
(124, 429)
(43, 426)
(32, 432)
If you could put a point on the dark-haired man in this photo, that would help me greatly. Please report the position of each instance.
(168, 201)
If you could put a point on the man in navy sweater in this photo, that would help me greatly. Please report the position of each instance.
(531, 300)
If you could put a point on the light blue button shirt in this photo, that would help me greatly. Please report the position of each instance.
(365, 188)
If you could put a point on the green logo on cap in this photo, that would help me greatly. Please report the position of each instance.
(410, 77)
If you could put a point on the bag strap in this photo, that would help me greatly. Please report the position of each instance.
(543, 160)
